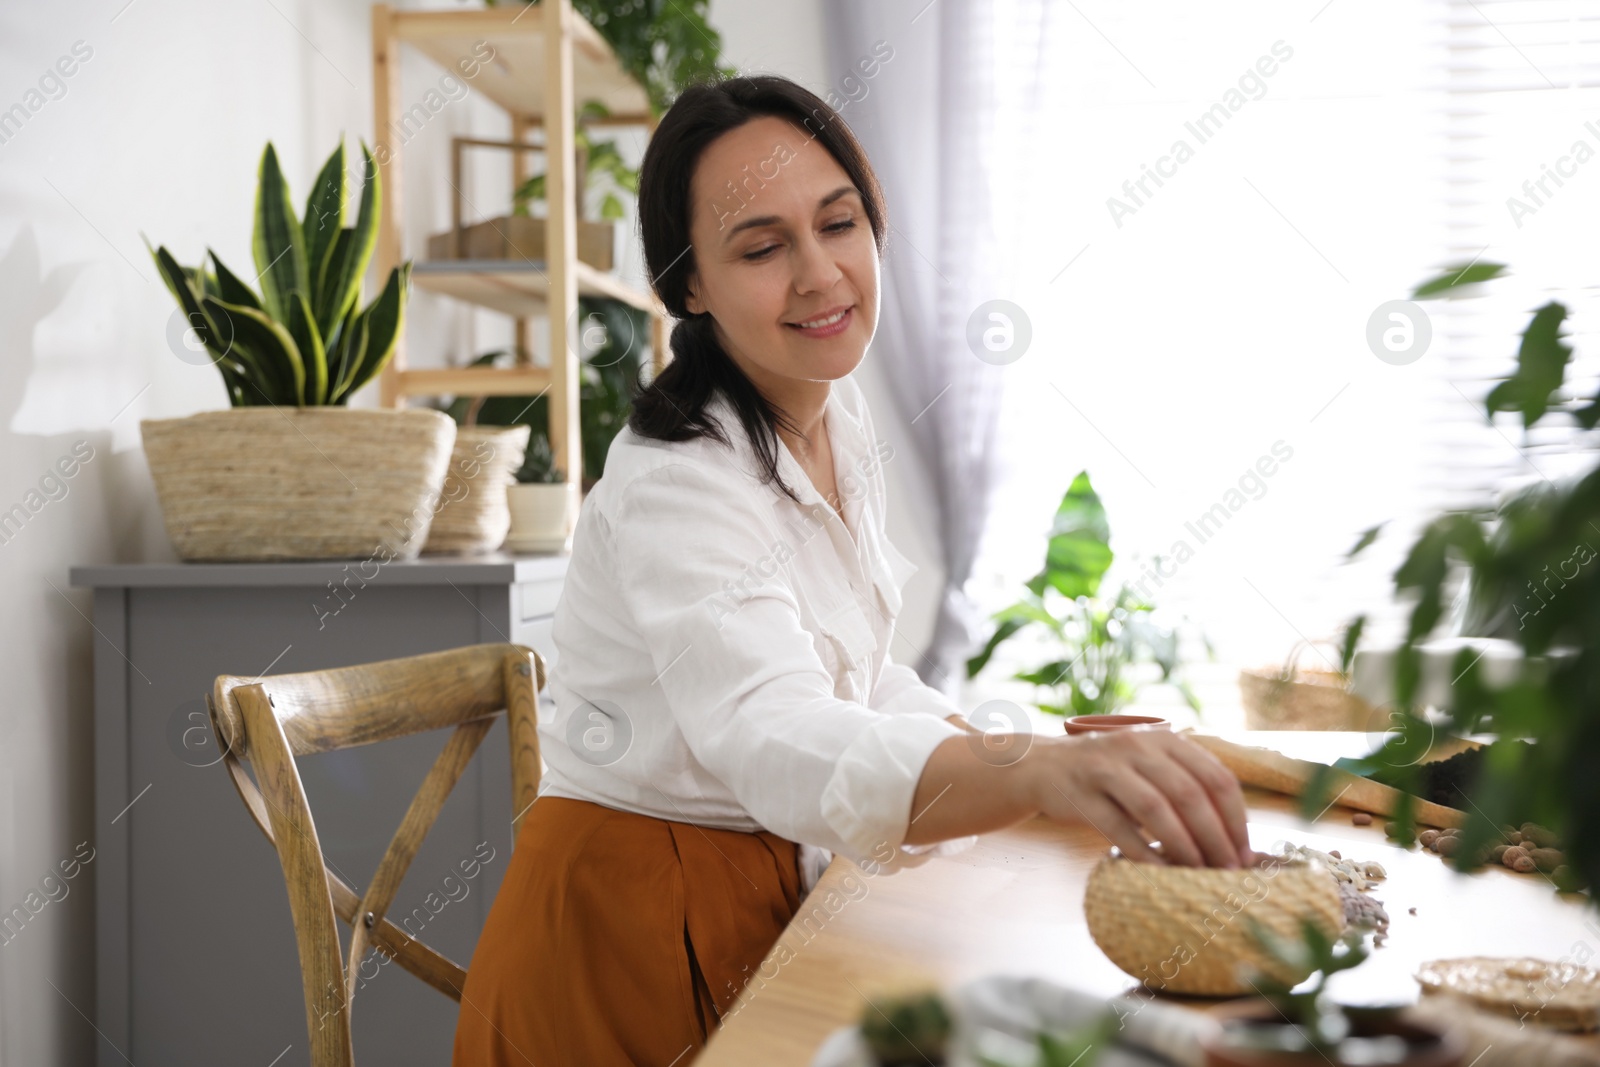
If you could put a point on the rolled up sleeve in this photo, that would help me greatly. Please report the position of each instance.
(701, 575)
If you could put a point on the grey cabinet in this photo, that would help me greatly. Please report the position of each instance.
(195, 949)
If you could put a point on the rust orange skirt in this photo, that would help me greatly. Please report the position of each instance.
(620, 939)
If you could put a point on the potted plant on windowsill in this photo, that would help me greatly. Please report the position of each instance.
(1098, 639)
(289, 472)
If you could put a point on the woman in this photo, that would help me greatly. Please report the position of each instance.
(727, 711)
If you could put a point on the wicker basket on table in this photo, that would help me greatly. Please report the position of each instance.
(1188, 929)
(1302, 698)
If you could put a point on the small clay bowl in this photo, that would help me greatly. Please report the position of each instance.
(1092, 724)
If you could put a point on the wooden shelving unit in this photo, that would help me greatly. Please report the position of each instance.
(543, 62)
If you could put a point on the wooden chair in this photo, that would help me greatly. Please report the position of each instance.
(267, 722)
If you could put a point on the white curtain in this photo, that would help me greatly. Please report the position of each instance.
(923, 85)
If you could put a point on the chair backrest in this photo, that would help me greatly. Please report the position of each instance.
(270, 721)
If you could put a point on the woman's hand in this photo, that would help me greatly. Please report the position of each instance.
(1134, 787)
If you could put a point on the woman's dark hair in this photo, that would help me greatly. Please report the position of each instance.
(673, 406)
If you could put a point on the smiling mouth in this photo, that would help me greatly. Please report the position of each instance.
(824, 325)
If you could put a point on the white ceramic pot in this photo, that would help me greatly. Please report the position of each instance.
(543, 516)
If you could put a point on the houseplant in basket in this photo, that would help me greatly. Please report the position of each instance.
(289, 472)
(1098, 641)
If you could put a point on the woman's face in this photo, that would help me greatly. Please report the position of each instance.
(782, 248)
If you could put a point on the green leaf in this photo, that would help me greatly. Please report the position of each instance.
(303, 328)
(216, 336)
(1424, 571)
(1455, 277)
(325, 215)
(1001, 633)
(528, 192)
(1079, 553)
(180, 284)
(1588, 416)
(1080, 1047)
(1541, 366)
(240, 378)
(1365, 541)
(277, 243)
(1352, 638)
(273, 347)
(344, 355)
(230, 289)
(383, 321)
(203, 281)
(340, 285)
(1314, 798)
(611, 208)
(1048, 674)
(254, 375)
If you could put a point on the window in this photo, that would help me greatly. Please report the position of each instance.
(1209, 213)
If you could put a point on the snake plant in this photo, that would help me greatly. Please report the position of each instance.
(303, 340)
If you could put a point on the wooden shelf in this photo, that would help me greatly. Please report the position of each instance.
(518, 287)
(515, 76)
(473, 381)
(540, 64)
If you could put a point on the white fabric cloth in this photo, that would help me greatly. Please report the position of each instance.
(723, 654)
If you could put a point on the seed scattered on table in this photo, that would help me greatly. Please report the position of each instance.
(1361, 818)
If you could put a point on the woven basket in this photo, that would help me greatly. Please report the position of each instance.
(1187, 929)
(298, 483)
(1301, 698)
(474, 516)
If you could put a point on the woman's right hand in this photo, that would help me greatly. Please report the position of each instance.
(1139, 787)
(1135, 787)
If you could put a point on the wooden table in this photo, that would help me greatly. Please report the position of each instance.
(1014, 904)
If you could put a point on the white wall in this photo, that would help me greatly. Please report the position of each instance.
(159, 130)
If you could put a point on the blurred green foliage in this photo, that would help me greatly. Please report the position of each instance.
(1527, 565)
(1097, 638)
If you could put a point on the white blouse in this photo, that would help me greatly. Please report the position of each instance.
(722, 653)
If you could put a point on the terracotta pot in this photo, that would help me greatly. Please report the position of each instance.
(1090, 724)
(1427, 1045)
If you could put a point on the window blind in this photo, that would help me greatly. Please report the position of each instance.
(1519, 175)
